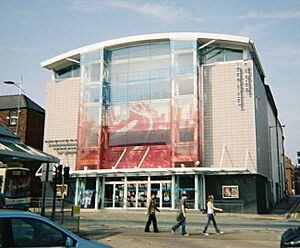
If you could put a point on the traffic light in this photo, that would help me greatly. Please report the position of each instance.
(59, 173)
(66, 172)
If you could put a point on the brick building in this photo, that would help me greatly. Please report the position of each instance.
(30, 127)
(289, 175)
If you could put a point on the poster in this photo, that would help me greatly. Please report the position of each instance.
(59, 190)
(230, 191)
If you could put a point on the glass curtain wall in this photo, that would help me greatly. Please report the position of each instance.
(185, 119)
(90, 108)
(152, 117)
(139, 107)
(137, 128)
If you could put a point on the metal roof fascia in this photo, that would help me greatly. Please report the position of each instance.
(20, 156)
(256, 58)
(130, 39)
(150, 170)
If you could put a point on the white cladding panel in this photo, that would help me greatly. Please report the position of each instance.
(262, 115)
(62, 118)
(229, 132)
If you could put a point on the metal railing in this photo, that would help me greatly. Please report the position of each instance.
(230, 207)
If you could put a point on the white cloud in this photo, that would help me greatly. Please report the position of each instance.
(256, 31)
(289, 55)
(162, 12)
(275, 15)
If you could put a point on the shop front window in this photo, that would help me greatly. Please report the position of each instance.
(166, 195)
(187, 184)
(131, 195)
(142, 195)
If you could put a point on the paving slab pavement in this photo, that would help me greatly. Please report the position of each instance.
(125, 228)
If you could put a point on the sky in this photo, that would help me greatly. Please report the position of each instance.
(32, 31)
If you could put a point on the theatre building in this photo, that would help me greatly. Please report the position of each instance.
(166, 113)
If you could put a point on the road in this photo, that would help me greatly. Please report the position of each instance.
(126, 229)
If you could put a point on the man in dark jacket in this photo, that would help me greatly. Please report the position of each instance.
(151, 208)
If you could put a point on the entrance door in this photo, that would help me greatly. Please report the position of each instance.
(119, 195)
(156, 189)
(108, 196)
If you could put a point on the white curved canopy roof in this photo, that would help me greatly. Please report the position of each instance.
(146, 37)
(58, 60)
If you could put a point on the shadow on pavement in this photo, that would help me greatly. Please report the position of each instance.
(97, 233)
(286, 206)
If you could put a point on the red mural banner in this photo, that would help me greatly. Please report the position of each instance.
(142, 135)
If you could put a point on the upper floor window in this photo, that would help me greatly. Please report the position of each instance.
(218, 54)
(68, 72)
(13, 117)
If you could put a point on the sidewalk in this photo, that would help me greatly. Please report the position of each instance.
(281, 210)
(286, 206)
(125, 228)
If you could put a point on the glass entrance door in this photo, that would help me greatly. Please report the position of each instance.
(108, 196)
(119, 195)
(137, 194)
(156, 189)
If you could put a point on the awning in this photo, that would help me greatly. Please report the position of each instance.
(13, 150)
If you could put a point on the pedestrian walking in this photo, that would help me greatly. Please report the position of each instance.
(211, 214)
(151, 209)
(181, 217)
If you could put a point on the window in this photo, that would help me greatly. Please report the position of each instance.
(184, 86)
(91, 72)
(218, 54)
(186, 134)
(91, 93)
(34, 233)
(68, 72)
(184, 62)
(13, 117)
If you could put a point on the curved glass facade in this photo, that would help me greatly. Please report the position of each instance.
(139, 106)
(151, 103)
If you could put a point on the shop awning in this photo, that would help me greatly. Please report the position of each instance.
(13, 150)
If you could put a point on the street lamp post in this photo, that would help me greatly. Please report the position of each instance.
(19, 103)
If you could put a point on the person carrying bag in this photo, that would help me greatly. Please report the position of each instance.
(181, 216)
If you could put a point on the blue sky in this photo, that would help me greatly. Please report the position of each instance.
(32, 31)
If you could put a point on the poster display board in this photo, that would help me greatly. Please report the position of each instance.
(230, 191)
